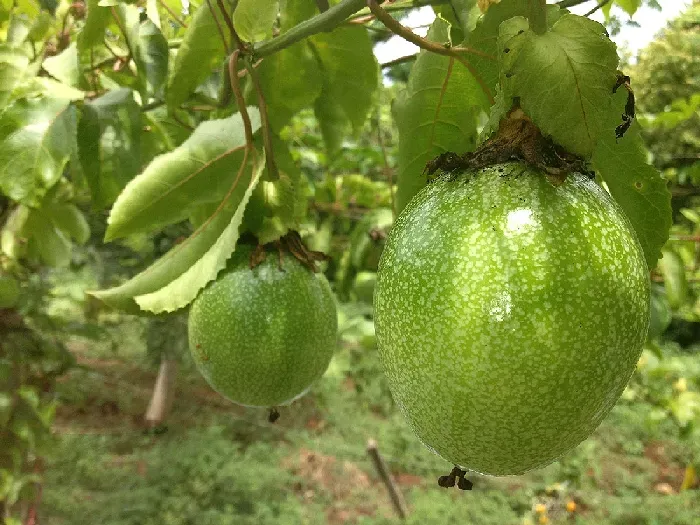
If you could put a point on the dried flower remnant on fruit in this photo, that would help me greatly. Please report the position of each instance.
(290, 243)
(517, 138)
(456, 476)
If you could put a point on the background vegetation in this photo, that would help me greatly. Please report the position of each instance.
(137, 437)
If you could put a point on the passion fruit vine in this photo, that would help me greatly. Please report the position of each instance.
(510, 313)
(262, 336)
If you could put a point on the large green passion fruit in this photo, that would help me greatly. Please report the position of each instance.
(261, 336)
(510, 314)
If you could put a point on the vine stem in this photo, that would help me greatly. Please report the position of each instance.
(603, 3)
(264, 121)
(538, 16)
(325, 21)
(453, 52)
(570, 3)
(240, 101)
(242, 49)
(172, 13)
(395, 26)
(218, 26)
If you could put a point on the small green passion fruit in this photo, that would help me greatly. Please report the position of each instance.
(262, 336)
(510, 314)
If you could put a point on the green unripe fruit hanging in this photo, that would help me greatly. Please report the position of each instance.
(261, 337)
(510, 314)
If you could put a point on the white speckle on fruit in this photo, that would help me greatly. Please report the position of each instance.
(517, 220)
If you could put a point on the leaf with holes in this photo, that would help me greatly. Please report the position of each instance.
(563, 77)
(634, 184)
(202, 169)
(437, 112)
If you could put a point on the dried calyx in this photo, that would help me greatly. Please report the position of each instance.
(289, 244)
(517, 138)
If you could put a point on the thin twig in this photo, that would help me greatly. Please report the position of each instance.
(400, 60)
(399, 5)
(238, 93)
(421, 42)
(570, 3)
(122, 29)
(396, 27)
(229, 24)
(172, 13)
(152, 105)
(694, 238)
(394, 493)
(218, 26)
(181, 122)
(264, 121)
(603, 3)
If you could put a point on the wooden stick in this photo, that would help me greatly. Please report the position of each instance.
(394, 493)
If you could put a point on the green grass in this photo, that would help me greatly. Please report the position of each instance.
(220, 464)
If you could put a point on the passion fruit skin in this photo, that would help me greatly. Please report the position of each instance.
(509, 315)
(261, 337)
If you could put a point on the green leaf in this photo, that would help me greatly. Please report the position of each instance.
(484, 36)
(184, 289)
(149, 49)
(109, 144)
(563, 77)
(36, 140)
(332, 121)
(96, 21)
(675, 282)
(64, 67)
(253, 19)
(14, 65)
(9, 295)
(47, 241)
(635, 185)
(276, 206)
(202, 50)
(152, 59)
(70, 220)
(437, 112)
(686, 407)
(152, 12)
(200, 170)
(204, 250)
(12, 240)
(290, 81)
(629, 6)
(466, 13)
(350, 73)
